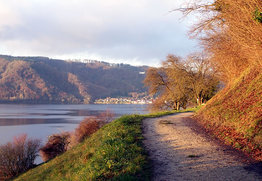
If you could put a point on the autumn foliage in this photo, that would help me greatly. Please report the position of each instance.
(179, 83)
(235, 114)
(230, 32)
(44, 80)
(56, 145)
(87, 127)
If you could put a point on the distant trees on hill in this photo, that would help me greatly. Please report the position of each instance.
(179, 82)
(43, 80)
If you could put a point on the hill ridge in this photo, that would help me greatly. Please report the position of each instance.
(45, 80)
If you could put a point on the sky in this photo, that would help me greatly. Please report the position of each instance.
(137, 32)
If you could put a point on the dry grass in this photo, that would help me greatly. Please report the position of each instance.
(230, 32)
(235, 114)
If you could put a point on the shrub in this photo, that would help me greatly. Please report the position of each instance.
(87, 127)
(56, 145)
(18, 156)
(60, 143)
(106, 116)
(258, 16)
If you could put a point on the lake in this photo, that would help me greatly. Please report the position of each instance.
(40, 121)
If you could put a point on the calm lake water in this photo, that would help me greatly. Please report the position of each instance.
(40, 121)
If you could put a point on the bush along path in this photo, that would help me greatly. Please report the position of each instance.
(180, 150)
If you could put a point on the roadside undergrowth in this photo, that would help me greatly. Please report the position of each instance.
(235, 114)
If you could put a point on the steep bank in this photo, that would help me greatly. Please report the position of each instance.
(113, 152)
(235, 114)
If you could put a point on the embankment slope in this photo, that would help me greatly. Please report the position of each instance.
(235, 113)
(114, 152)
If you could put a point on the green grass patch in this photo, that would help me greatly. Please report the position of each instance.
(113, 152)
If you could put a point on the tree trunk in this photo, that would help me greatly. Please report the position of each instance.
(177, 106)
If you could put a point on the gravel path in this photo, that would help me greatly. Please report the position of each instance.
(180, 151)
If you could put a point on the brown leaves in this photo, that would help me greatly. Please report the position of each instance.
(230, 32)
(56, 145)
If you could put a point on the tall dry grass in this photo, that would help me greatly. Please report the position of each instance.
(230, 32)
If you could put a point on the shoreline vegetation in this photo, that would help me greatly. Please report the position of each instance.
(114, 152)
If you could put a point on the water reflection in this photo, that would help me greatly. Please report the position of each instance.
(13, 122)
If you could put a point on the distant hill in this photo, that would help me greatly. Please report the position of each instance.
(44, 80)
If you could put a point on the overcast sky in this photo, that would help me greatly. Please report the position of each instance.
(128, 31)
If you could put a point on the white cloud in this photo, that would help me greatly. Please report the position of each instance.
(142, 31)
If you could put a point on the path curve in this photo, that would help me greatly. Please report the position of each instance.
(180, 153)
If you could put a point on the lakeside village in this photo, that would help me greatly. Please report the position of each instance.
(125, 100)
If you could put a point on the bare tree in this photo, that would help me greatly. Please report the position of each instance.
(202, 77)
(18, 156)
(179, 82)
(230, 31)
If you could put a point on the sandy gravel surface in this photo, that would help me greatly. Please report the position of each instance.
(179, 152)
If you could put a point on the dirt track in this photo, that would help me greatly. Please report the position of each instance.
(180, 152)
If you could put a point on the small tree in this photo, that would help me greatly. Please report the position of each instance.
(18, 156)
(87, 127)
(201, 77)
(167, 83)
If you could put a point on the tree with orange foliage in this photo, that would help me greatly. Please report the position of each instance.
(230, 31)
(179, 82)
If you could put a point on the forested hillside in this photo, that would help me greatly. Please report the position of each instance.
(44, 80)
